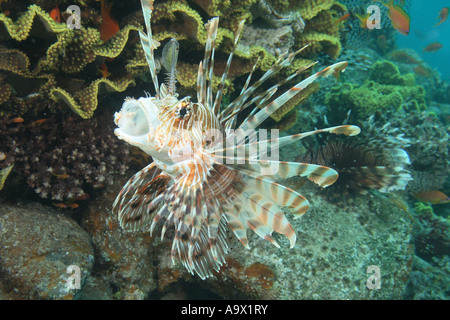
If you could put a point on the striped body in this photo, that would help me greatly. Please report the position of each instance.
(197, 183)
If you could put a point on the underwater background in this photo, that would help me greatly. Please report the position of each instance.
(381, 231)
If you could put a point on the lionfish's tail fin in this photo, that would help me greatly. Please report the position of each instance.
(254, 121)
(141, 196)
(148, 43)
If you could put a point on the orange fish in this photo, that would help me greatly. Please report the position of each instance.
(364, 18)
(62, 176)
(421, 71)
(104, 70)
(443, 15)
(109, 25)
(82, 197)
(17, 120)
(55, 14)
(60, 205)
(403, 57)
(399, 18)
(344, 17)
(40, 121)
(433, 197)
(432, 47)
(73, 205)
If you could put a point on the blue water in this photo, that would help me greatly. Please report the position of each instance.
(423, 17)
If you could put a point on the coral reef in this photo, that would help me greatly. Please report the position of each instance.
(62, 158)
(60, 72)
(385, 92)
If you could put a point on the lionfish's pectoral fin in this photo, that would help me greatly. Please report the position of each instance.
(141, 196)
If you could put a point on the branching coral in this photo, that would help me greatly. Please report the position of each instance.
(62, 158)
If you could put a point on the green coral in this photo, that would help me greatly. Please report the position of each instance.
(385, 72)
(422, 208)
(386, 91)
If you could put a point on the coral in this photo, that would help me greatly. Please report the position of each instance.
(4, 173)
(385, 72)
(386, 91)
(85, 101)
(433, 237)
(68, 52)
(63, 158)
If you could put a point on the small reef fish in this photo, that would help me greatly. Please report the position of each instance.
(433, 47)
(66, 205)
(103, 70)
(109, 26)
(55, 14)
(40, 121)
(403, 57)
(17, 120)
(443, 15)
(343, 18)
(433, 197)
(364, 18)
(399, 18)
(421, 71)
(199, 185)
(62, 176)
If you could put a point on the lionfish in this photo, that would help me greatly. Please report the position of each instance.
(197, 183)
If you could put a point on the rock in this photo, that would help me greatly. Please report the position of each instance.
(330, 260)
(125, 261)
(37, 245)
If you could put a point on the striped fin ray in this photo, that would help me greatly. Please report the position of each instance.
(263, 97)
(282, 62)
(218, 100)
(140, 197)
(202, 88)
(264, 146)
(254, 121)
(223, 116)
(279, 170)
(147, 41)
(279, 194)
(259, 212)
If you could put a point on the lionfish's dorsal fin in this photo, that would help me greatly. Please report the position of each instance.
(147, 42)
(205, 69)
(169, 62)
(218, 100)
(254, 121)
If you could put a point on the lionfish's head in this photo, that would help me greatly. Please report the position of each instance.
(160, 126)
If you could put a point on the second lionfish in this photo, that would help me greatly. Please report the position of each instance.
(199, 184)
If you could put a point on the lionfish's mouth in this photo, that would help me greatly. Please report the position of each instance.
(132, 119)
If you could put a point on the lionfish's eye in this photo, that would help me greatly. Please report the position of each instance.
(183, 110)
